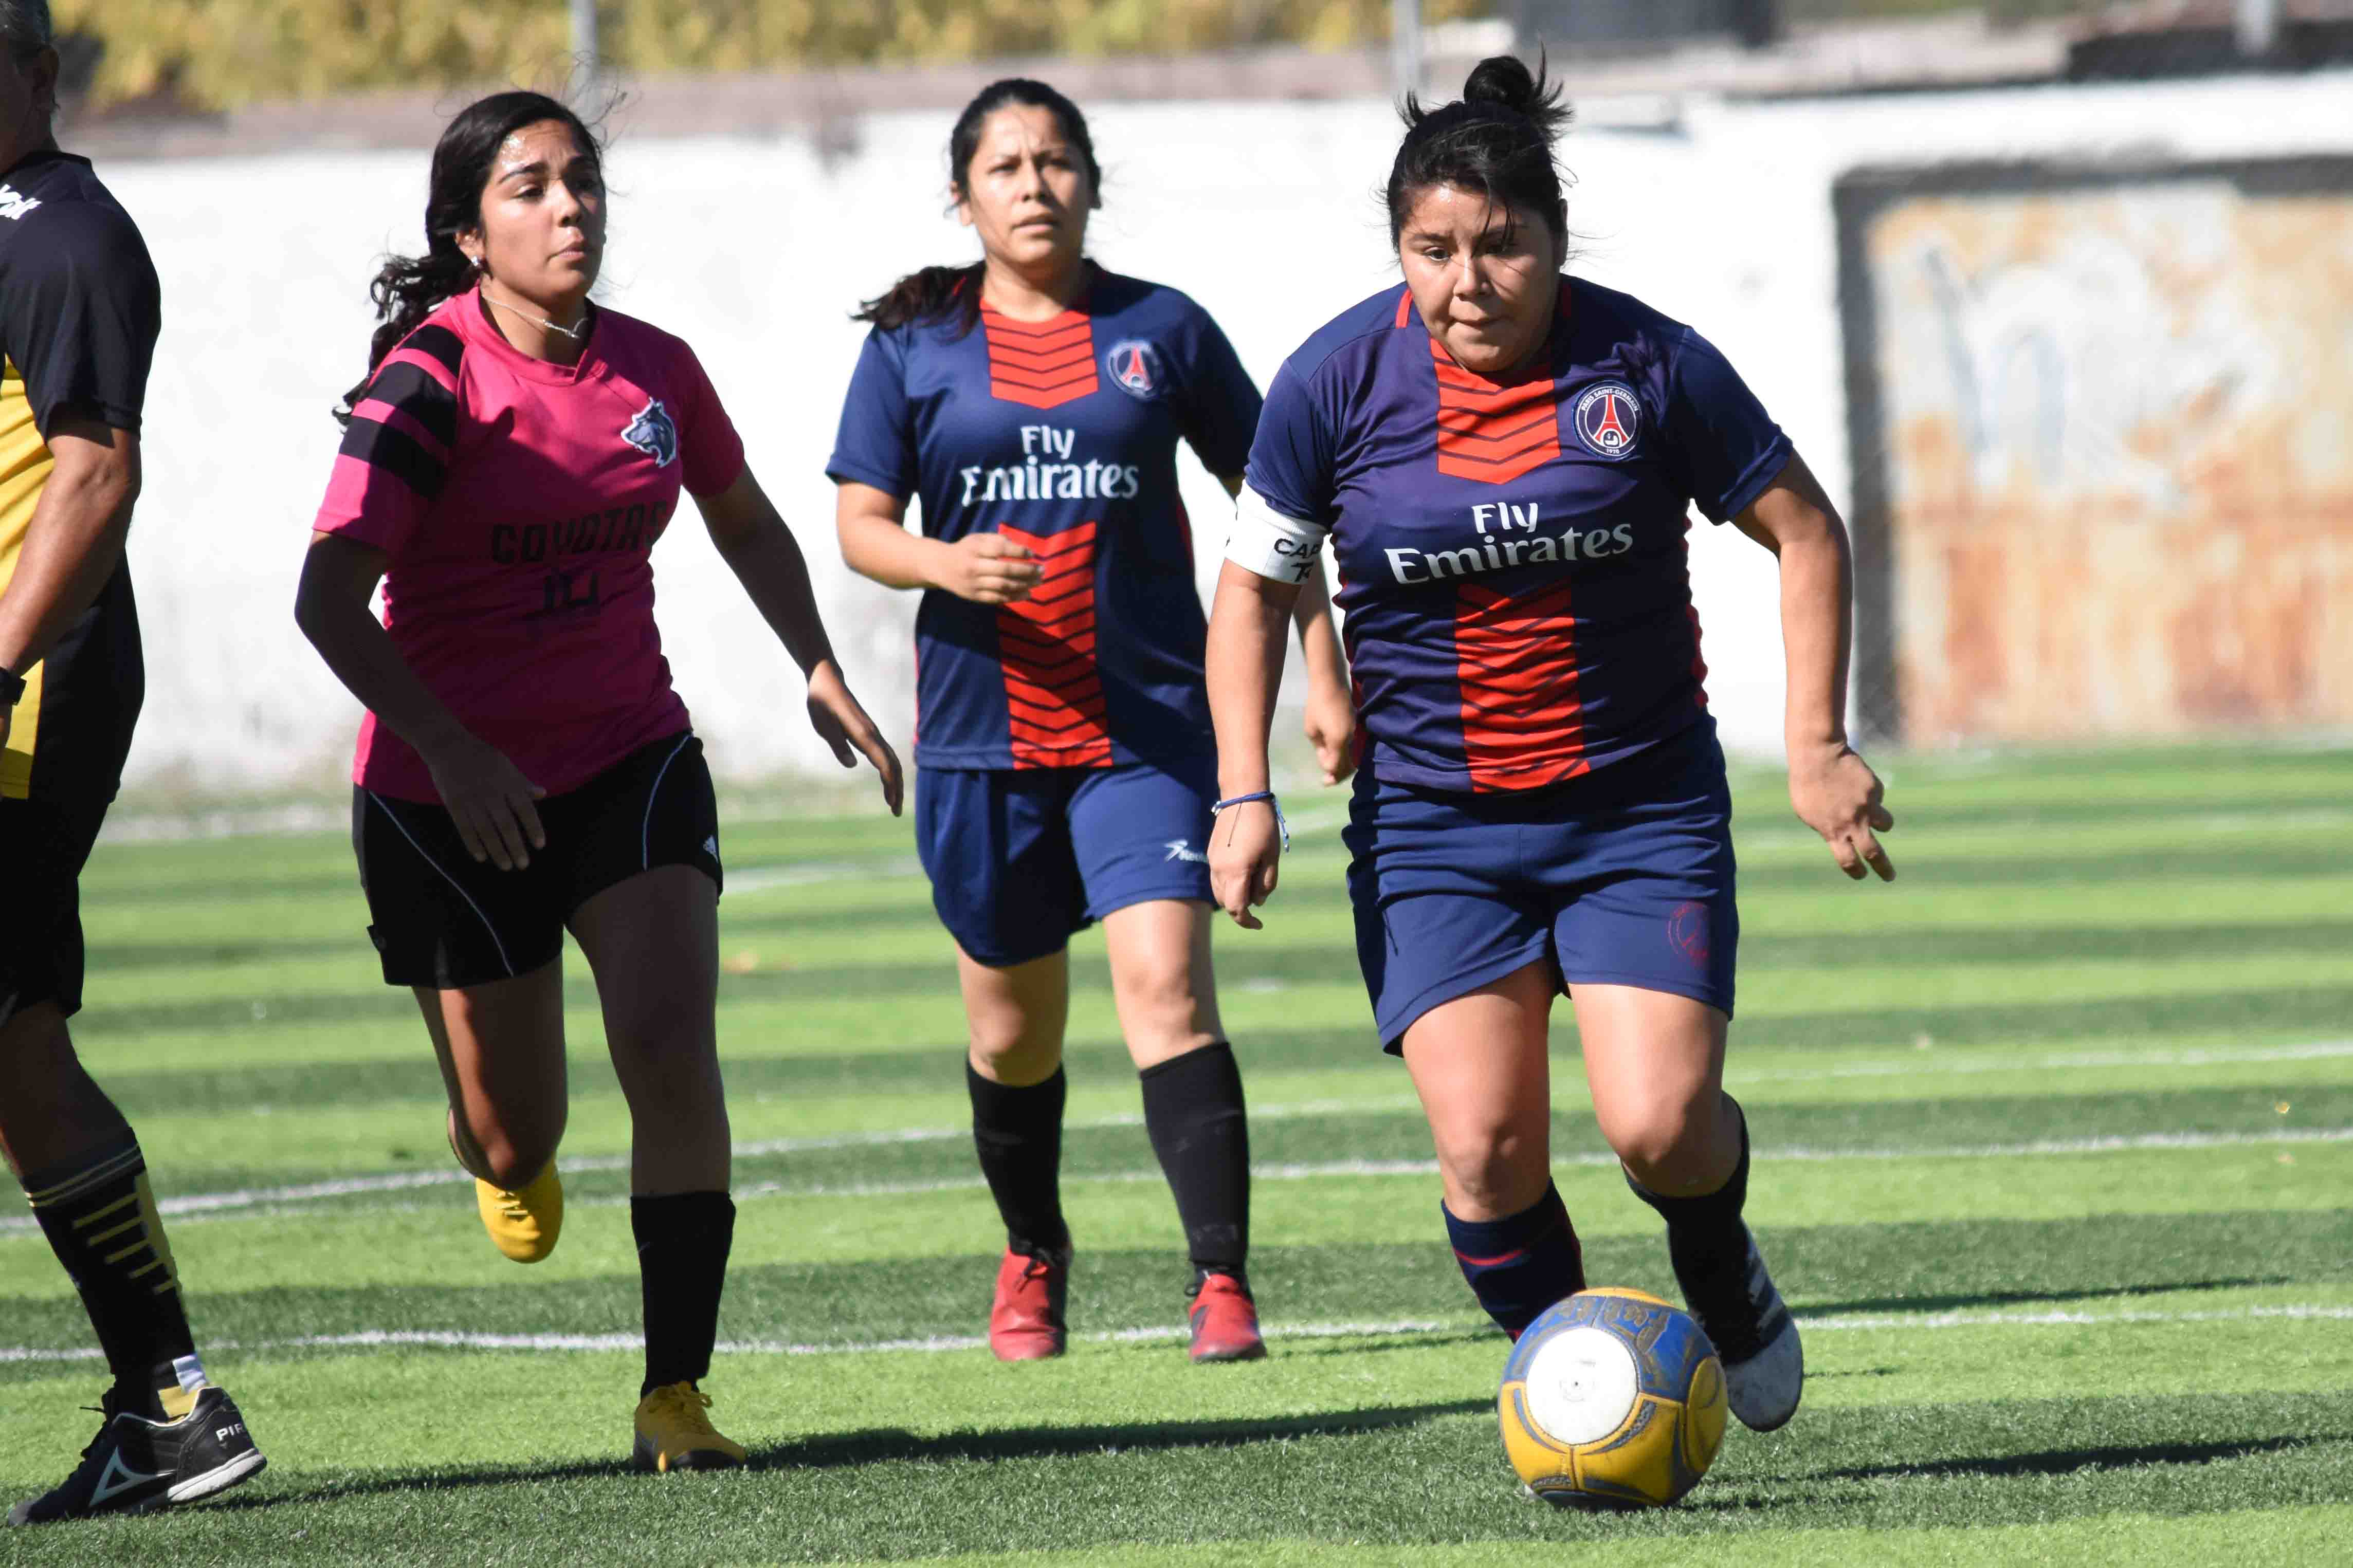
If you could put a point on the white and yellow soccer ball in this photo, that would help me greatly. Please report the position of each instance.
(1612, 1399)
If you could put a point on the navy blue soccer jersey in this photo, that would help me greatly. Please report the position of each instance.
(1061, 435)
(1514, 559)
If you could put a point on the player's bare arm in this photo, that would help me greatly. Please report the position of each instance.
(1832, 788)
(766, 559)
(1244, 670)
(486, 793)
(1331, 718)
(986, 568)
(74, 542)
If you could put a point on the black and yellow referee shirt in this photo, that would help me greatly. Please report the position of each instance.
(80, 310)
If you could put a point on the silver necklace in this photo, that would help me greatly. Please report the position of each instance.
(571, 332)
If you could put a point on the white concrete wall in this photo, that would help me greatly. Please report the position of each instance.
(756, 250)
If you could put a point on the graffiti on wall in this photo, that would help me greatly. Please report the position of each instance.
(2108, 425)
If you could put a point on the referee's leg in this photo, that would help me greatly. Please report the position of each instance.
(65, 1140)
(164, 1427)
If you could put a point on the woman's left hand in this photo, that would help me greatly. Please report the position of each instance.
(1332, 730)
(1836, 793)
(843, 724)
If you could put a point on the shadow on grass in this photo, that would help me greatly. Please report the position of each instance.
(2019, 1297)
(884, 1446)
(2071, 1461)
(847, 1450)
(1801, 1488)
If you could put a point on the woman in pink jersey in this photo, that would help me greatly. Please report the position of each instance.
(526, 766)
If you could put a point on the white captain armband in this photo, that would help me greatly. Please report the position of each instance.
(1271, 544)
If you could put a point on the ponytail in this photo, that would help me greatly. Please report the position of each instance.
(928, 294)
(406, 289)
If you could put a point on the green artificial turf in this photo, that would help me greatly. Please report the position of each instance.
(2054, 1145)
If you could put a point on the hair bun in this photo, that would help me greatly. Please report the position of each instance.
(1505, 81)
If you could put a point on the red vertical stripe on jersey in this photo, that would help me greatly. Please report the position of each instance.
(1042, 363)
(1523, 723)
(1053, 691)
(1491, 433)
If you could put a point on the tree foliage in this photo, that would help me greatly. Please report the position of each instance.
(220, 53)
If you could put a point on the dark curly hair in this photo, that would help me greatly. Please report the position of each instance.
(410, 288)
(1497, 140)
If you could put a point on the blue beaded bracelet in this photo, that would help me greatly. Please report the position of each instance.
(1267, 795)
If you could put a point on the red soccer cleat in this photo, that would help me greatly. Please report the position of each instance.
(1225, 1321)
(1025, 1321)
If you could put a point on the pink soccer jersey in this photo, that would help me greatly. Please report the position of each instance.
(518, 503)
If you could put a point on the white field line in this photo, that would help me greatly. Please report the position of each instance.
(2193, 820)
(1601, 1159)
(807, 873)
(2225, 1056)
(200, 1204)
(453, 1338)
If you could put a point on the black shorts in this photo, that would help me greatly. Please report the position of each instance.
(441, 918)
(43, 845)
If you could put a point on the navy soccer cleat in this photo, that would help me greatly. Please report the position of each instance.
(1755, 1338)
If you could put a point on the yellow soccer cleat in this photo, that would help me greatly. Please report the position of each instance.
(524, 1225)
(673, 1433)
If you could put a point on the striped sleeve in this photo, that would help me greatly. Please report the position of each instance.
(396, 452)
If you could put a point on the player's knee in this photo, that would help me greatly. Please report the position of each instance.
(1161, 1006)
(1667, 1144)
(1012, 1055)
(36, 1046)
(1495, 1170)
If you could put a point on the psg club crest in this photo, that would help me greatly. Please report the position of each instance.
(1134, 367)
(652, 433)
(1609, 419)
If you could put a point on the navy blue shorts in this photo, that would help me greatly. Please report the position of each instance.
(1019, 858)
(1623, 877)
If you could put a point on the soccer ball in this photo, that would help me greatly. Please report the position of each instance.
(1612, 1399)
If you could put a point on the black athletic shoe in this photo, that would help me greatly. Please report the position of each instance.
(1755, 1336)
(134, 1465)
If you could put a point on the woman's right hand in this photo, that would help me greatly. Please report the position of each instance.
(1245, 859)
(490, 800)
(988, 569)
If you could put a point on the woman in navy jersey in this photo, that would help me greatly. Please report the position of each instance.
(1503, 459)
(1065, 767)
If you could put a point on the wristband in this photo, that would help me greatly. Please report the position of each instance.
(1267, 795)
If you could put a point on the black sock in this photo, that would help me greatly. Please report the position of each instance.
(683, 1244)
(1193, 1109)
(1519, 1265)
(1705, 1238)
(100, 1216)
(1019, 1134)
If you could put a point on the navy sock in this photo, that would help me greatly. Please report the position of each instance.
(1018, 1133)
(1705, 1238)
(1519, 1265)
(1193, 1109)
(682, 1246)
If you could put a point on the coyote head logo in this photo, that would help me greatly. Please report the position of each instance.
(653, 432)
